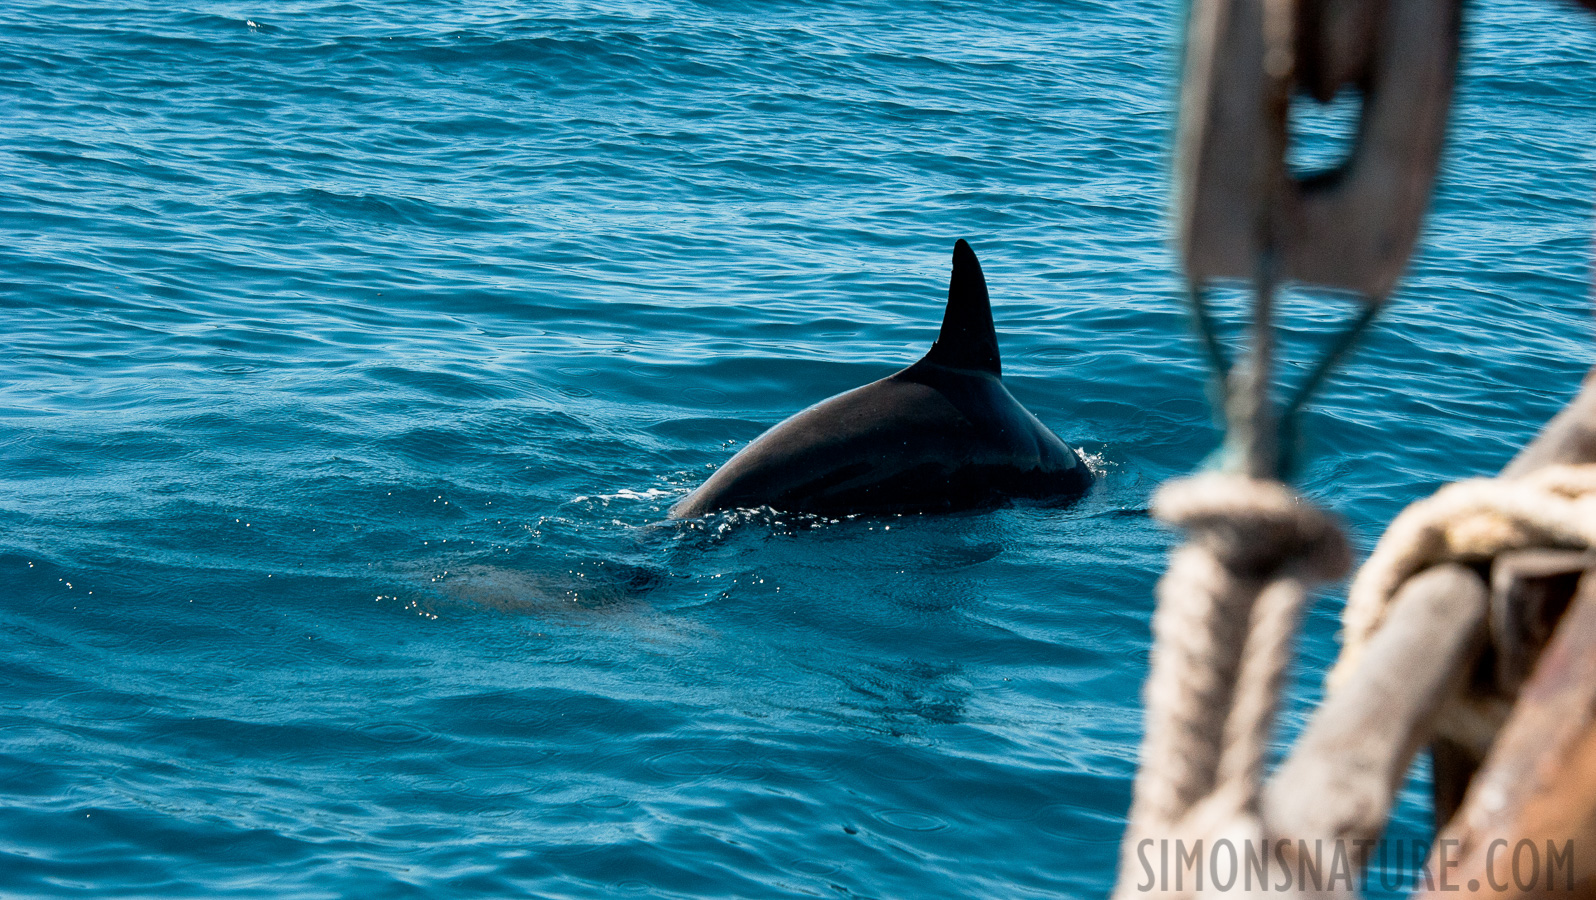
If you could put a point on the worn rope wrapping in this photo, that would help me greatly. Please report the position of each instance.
(1228, 607)
(1469, 521)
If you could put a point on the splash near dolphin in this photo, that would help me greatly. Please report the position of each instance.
(943, 434)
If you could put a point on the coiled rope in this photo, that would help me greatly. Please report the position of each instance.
(1468, 522)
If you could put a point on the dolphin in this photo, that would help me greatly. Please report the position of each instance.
(943, 434)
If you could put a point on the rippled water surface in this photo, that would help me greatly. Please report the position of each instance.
(353, 352)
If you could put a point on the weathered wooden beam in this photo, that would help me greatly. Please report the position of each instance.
(1340, 777)
(1539, 782)
(1570, 436)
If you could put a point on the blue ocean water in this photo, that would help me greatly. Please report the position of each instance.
(352, 353)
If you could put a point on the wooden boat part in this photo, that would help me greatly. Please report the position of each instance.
(1538, 784)
(1338, 782)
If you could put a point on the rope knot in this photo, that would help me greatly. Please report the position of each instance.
(1255, 528)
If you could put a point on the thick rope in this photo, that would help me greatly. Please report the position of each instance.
(1228, 607)
(1469, 521)
(1265, 657)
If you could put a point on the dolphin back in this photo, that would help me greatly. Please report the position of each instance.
(927, 439)
(943, 434)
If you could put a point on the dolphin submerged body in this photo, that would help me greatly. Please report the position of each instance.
(941, 435)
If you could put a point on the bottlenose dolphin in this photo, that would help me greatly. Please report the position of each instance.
(943, 434)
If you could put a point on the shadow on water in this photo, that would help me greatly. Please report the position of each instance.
(767, 609)
(591, 588)
(873, 624)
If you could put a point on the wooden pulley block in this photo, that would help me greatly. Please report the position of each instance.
(1237, 202)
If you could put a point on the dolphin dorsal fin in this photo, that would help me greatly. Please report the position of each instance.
(968, 340)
